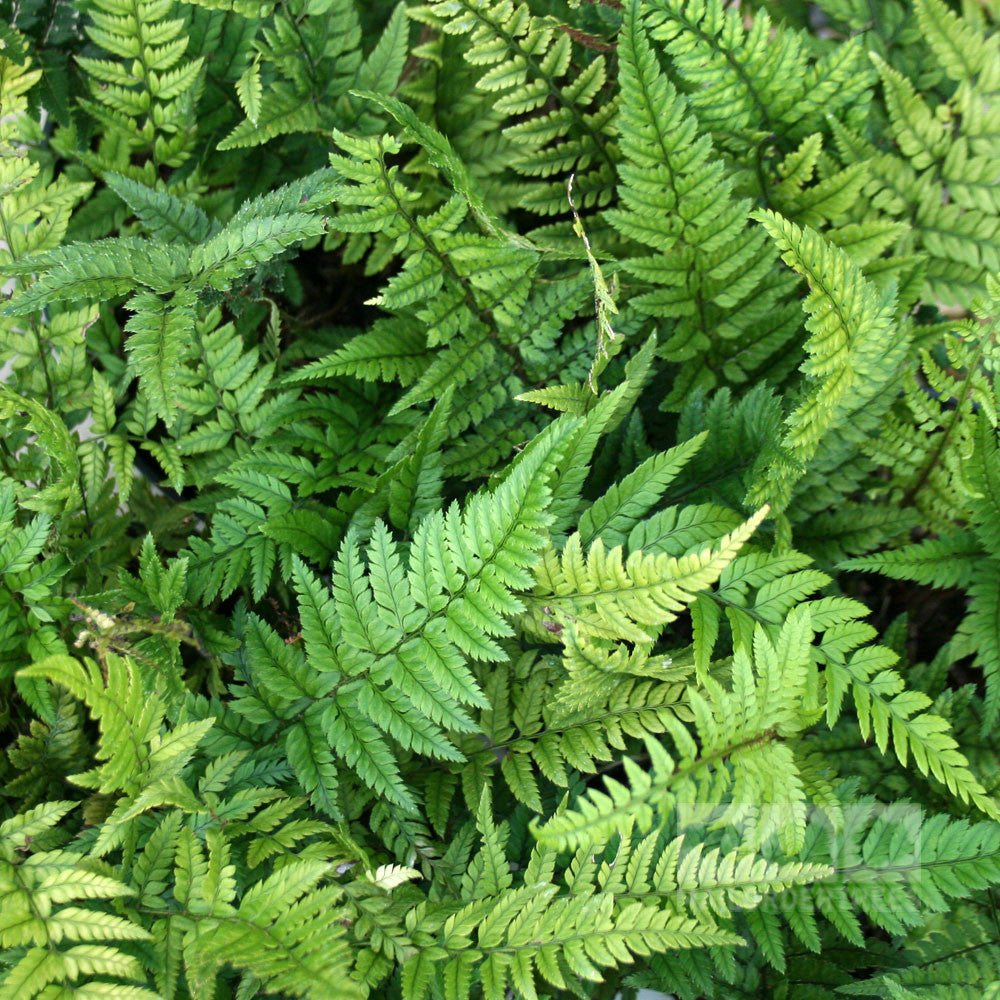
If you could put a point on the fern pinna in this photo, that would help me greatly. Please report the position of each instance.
(497, 499)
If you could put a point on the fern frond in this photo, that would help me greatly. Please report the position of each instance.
(165, 216)
(34, 886)
(936, 562)
(742, 78)
(852, 341)
(607, 594)
(286, 930)
(677, 199)
(771, 684)
(144, 99)
(528, 60)
(101, 271)
(885, 707)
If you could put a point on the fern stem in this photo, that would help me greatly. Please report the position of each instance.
(27, 893)
(942, 439)
(6, 458)
(759, 169)
(446, 265)
(956, 954)
(310, 62)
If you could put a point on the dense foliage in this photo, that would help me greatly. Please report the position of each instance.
(499, 499)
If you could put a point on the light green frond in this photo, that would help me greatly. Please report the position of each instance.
(608, 594)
